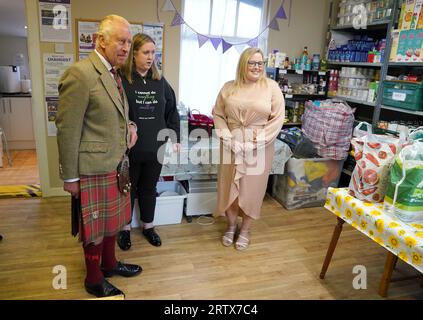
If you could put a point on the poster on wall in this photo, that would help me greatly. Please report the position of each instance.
(55, 18)
(136, 28)
(155, 31)
(54, 66)
(87, 34)
(51, 112)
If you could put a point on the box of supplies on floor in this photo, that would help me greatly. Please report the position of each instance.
(201, 197)
(306, 181)
(169, 204)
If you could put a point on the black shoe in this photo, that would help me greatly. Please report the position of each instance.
(124, 240)
(152, 237)
(123, 269)
(103, 289)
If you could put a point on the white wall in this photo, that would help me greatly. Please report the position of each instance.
(9, 47)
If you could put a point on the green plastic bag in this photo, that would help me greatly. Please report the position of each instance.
(404, 195)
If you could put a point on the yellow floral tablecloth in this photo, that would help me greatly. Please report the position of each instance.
(405, 240)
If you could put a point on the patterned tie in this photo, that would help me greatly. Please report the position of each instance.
(118, 82)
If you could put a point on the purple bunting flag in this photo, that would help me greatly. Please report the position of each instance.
(168, 6)
(253, 43)
(201, 40)
(281, 14)
(274, 25)
(215, 42)
(226, 46)
(177, 20)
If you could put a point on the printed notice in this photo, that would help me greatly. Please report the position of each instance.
(55, 21)
(51, 105)
(54, 66)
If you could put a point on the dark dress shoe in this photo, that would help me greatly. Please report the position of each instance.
(152, 237)
(103, 289)
(124, 240)
(123, 269)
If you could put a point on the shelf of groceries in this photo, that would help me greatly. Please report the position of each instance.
(396, 84)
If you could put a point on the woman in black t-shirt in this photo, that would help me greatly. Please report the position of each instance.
(152, 106)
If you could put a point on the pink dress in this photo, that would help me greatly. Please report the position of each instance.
(254, 115)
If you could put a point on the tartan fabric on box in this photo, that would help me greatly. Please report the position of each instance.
(105, 210)
(328, 124)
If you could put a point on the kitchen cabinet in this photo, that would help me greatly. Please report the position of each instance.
(16, 121)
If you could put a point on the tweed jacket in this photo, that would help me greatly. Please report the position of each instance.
(92, 120)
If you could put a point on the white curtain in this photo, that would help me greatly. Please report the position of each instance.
(203, 71)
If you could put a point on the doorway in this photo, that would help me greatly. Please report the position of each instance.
(18, 163)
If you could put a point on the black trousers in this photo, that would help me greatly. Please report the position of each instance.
(144, 173)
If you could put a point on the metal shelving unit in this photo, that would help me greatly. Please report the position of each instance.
(380, 25)
(417, 113)
(349, 99)
(379, 28)
(405, 64)
(356, 64)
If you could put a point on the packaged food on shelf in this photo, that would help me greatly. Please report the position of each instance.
(416, 14)
(410, 46)
(408, 14)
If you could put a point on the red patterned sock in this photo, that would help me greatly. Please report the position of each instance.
(108, 258)
(92, 261)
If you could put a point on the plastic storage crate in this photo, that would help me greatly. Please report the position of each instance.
(169, 208)
(201, 197)
(403, 94)
(306, 181)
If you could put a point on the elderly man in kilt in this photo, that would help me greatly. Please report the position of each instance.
(93, 134)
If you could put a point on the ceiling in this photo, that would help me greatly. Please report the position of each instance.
(12, 18)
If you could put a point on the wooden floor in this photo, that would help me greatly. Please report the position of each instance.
(24, 169)
(283, 261)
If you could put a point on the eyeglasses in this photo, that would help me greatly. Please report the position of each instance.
(256, 63)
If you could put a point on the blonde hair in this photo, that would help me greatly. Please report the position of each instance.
(107, 24)
(242, 69)
(137, 42)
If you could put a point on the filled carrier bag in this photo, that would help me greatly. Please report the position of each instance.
(404, 195)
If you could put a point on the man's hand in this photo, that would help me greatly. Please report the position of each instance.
(72, 188)
(133, 134)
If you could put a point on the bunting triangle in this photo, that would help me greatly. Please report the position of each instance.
(281, 14)
(240, 48)
(201, 40)
(215, 42)
(168, 6)
(225, 46)
(253, 43)
(274, 25)
(177, 20)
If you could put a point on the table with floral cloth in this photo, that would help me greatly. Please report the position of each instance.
(403, 240)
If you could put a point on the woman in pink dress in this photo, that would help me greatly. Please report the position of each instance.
(248, 116)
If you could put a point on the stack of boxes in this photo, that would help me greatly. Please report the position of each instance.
(407, 40)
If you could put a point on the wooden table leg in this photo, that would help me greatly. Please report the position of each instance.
(332, 246)
(390, 263)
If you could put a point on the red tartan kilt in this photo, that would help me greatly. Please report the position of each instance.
(105, 211)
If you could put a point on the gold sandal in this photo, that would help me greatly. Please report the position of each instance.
(242, 242)
(228, 237)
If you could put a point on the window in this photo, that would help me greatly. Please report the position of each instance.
(203, 71)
